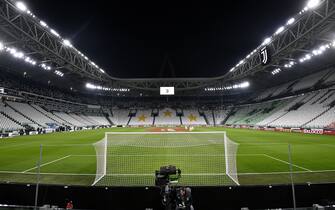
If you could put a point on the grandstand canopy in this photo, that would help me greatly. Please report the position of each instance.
(205, 46)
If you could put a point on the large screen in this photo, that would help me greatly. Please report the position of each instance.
(168, 91)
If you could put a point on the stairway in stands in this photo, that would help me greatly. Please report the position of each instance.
(42, 112)
(213, 115)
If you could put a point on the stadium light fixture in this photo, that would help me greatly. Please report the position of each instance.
(18, 55)
(267, 41)
(244, 85)
(54, 32)
(59, 73)
(2, 47)
(290, 21)
(311, 4)
(279, 30)
(98, 87)
(67, 43)
(43, 23)
(276, 71)
(21, 6)
(241, 85)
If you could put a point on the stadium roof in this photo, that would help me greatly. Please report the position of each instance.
(299, 36)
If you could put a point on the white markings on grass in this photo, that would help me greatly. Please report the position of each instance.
(162, 146)
(189, 174)
(283, 161)
(305, 170)
(167, 155)
(48, 163)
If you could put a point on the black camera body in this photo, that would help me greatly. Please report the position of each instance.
(173, 197)
(167, 175)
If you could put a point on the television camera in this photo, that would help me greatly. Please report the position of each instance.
(174, 197)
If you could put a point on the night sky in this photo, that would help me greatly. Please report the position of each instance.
(131, 40)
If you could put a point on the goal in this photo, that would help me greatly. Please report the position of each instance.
(131, 158)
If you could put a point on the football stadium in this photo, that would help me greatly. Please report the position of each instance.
(167, 106)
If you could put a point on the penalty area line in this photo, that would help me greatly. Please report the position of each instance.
(283, 161)
(47, 163)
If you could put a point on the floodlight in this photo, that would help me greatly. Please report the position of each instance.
(1, 46)
(90, 86)
(21, 6)
(54, 32)
(290, 21)
(279, 30)
(18, 55)
(244, 84)
(323, 48)
(102, 70)
(267, 41)
(311, 4)
(43, 23)
(67, 43)
(12, 51)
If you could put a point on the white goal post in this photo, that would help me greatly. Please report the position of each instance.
(103, 146)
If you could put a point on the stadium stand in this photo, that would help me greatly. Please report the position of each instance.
(167, 116)
(7, 124)
(254, 113)
(309, 81)
(142, 117)
(50, 115)
(209, 115)
(220, 115)
(192, 117)
(120, 116)
(31, 113)
(38, 106)
(16, 116)
(98, 120)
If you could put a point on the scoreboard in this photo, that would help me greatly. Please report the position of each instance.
(166, 91)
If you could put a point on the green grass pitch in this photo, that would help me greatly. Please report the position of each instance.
(262, 158)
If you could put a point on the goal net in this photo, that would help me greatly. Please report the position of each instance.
(131, 158)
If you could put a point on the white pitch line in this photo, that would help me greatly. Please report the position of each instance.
(62, 158)
(161, 146)
(167, 133)
(283, 161)
(195, 174)
(168, 155)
